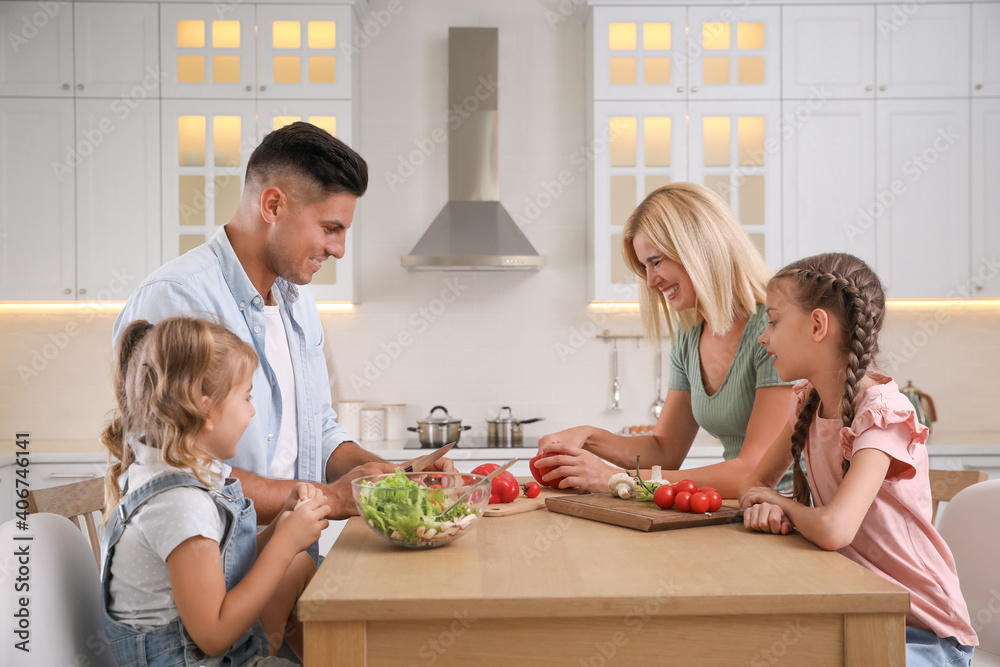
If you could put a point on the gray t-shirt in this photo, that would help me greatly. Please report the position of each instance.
(140, 593)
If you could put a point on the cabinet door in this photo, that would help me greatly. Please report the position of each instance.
(297, 54)
(206, 145)
(37, 55)
(639, 53)
(985, 198)
(735, 53)
(639, 147)
(829, 183)
(37, 231)
(207, 51)
(986, 50)
(922, 178)
(922, 50)
(828, 48)
(117, 218)
(337, 280)
(117, 50)
(735, 150)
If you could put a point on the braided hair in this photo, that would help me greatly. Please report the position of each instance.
(849, 290)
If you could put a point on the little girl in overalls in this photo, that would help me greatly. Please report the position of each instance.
(186, 579)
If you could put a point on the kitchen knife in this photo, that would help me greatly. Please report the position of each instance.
(424, 461)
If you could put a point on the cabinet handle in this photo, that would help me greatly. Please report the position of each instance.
(883, 87)
(67, 291)
(694, 89)
(82, 291)
(263, 87)
(979, 86)
(249, 88)
(79, 86)
(979, 288)
(680, 89)
(65, 86)
(868, 89)
(72, 475)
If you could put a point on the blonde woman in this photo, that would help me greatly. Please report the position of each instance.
(706, 281)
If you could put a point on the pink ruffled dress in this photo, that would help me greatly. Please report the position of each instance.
(897, 539)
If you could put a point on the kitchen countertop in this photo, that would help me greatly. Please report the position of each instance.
(473, 449)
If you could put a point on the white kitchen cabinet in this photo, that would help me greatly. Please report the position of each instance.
(829, 181)
(117, 50)
(43, 476)
(639, 53)
(297, 54)
(922, 50)
(828, 47)
(37, 226)
(734, 52)
(985, 281)
(643, 145)
(922, 173)
(208, 53)
(734, 148)
(37, 55)
(985, 50)
(117, 230)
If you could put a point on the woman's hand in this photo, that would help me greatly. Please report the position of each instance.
(564, 441)
(763, 511)
(580, 468)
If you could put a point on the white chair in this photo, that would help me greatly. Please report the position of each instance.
(60, 612)
(970, 524)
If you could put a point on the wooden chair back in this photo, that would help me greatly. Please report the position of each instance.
(946, 483)
(80, 499)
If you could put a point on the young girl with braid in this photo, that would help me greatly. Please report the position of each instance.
(863, 447)
(186, 578)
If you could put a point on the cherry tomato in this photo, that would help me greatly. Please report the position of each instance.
(664, 497)
(505, 488)
(699, 503)
(708, 489)
(531, 489)
(485, 469)
(538, 472)
(686, 485)
(682, 501)
(714, 501)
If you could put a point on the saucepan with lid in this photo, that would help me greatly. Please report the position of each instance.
(438, 431)
(505, 431)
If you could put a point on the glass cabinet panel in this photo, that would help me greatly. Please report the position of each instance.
(736, 54)
(639, 53)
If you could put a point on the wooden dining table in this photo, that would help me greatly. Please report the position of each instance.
(548, 589)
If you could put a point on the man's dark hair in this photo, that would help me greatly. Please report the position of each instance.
(302, 150)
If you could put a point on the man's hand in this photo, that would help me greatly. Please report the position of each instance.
(339, 495)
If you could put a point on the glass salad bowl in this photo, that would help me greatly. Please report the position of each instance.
(405, 508)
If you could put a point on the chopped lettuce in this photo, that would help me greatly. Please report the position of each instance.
(399, 503)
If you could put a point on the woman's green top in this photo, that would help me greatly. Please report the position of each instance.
(726, 413)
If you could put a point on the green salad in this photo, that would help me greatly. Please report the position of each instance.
(400, 508)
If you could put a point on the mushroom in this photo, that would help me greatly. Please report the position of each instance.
(622, 485)
(657, 476)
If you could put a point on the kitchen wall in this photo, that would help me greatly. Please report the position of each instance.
(476, 341)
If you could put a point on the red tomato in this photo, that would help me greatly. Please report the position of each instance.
(714, 501)
(707, 489)
(531, 489)
(686, 485)
(682, 501)
(485, 469)
(505, 487)
(699, 503)
(664, 497)
(493, 499)
(538, 472)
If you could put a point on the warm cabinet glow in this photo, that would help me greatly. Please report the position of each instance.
(750, 70)
(715, 70)
(287, 69)
(286, 34)
(657, 71)
(226, 132)
(657, 141)
(750, 36)
(656, 36)
(328, 123)
(622, 36)
(623, 200)
(191, 34)
(716, 140)
(622, 71)
(226, 34)
(191, 200)
(715, 36)
(322, 34)
(191, 141)
(226, 69)
(322, 69)
(751, 140)
(623, 140)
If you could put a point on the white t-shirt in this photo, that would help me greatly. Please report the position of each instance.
(286, 450)
(140, 593)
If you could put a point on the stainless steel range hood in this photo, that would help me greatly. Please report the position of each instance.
(473, 231)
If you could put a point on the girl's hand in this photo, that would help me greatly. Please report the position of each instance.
(580, 468)
(299, 529)
(767, 518)
(300, 492)
(761, 494)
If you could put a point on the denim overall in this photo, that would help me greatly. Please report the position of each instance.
(171, 645)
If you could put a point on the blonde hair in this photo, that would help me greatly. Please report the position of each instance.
(849, 290)
(160, 377)
(693, 226)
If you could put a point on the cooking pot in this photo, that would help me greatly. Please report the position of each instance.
(505, 431)
(438, 431)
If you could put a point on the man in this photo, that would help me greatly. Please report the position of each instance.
(301, 189)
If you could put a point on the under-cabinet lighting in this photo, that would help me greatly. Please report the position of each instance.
(60, 307)
(335, 307)
(891, 304)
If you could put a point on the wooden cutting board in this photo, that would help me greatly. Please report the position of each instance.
(633, 514)
(523, 504)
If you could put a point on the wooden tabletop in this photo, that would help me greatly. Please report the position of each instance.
(561, 566)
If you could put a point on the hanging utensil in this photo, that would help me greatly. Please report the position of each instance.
(614, 373)
(657, 406)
